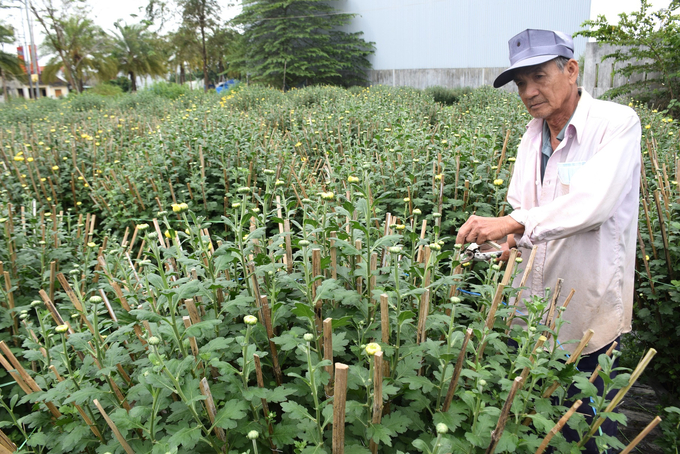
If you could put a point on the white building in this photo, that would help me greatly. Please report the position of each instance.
(453, 43)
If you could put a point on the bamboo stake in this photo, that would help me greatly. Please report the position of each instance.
(505, 147)
(32, 385)
(289, 249)
(334, 256)
(456, 371)
(328, 352)
(114, 428)
(491, 316)
(593, 377)
(646, 262)
(423, 230)
(662, 225)
(572, 359)
(619, 396)
(193, 311)
(649, 228)
(6, 444)
(339, 402)
(93, 427)
(642, 435)
(267, 319)
(192, 340)
(377, 395)
(503, 418)
(265, 405)
(10, 301)
(211, 409)
(384, 318)
(558, 427)
(553, 304)
(423, 311)
(525, 276)
(15, 375)
(359, 280)
(53, 270)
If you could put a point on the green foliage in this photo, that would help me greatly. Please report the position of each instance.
(168, 90)
(122, 82)
(133, 49)
(649, 52)
(330, 164)
(447, 96)
(657, 296)
(107, 89)
(296, 43)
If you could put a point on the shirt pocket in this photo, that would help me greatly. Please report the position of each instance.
(565, 172)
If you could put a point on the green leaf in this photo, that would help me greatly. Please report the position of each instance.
(296, 411)
(396, 422)
(231, 412)
(380, 434)
(187, 437)
(303, 310)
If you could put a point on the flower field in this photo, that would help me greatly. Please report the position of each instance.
(270, 272)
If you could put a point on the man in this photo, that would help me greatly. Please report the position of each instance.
(574, 192)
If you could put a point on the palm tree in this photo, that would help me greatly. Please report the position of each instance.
(10, 65)
(134, 52)
(80, 54)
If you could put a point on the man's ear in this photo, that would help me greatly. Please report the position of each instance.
(572, 70)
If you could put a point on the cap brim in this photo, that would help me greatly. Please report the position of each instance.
(507, 75)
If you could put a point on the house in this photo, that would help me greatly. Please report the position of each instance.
(20, 89)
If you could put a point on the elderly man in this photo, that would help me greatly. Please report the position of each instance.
(574, 192)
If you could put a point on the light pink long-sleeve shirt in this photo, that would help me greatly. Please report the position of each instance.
(583, 218)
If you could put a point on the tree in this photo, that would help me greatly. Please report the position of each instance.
(294, 42)
(80, 52)
(10, 65)
(200, 15)
(649, 45)
(134, 54)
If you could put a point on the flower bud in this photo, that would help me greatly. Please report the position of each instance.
(153, 340)
(95, 299)
(442, 428)
(303, 243)
(243, 190)
(253, 434)
(61, 329)
(250, 320)
(308, 337)
(373, 348)
(417, 211)
(455, 300)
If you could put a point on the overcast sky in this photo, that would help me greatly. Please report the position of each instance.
(106, 12)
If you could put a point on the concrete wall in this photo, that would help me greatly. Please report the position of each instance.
(445, 77)
(598, 75)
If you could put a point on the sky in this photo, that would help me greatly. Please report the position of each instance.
(106, 12)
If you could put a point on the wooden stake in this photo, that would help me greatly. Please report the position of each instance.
(456, 371)
(525, 276)
(192, 340)
(6, 444)
(289, 249)
(593, 376)
(558, 427)
(114, 428)
(334, 256)
(500, 426)
(328, 352)
(423, 311)
(88, 421)
(267, 320)
(339, 402)
(210, 407)
(193, 311)
(619, 396)
(265, 406)
(385, 318)
(553, 303)
(642, 435)
(377, 395)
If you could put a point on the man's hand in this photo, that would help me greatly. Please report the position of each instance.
(478, 229)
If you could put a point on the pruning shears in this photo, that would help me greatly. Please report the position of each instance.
(473, 253)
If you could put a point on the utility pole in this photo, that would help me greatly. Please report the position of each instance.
(27, 64)
(33, 51)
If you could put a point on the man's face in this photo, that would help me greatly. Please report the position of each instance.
(545, 89)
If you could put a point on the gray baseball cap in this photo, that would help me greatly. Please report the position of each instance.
(533, 47)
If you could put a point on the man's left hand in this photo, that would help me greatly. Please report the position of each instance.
(478, 229)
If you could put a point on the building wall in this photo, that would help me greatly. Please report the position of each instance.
(435, 36)
(599, 76)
